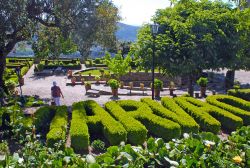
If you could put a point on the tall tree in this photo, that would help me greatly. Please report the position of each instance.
(193, 35)
(19, 19)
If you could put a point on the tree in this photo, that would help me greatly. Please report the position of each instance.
(118, 65)
(50, 43)
(20, 19)
(193, 35)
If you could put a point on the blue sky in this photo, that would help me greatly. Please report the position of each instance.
(137, 12)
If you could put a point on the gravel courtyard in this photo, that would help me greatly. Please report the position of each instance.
(36, 85)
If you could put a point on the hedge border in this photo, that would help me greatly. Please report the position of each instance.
(219, 101)
(156, 125)
(240, 93)
(136, 132)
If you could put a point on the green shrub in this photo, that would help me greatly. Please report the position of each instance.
(237, 106)
(58, 126)
(137, 133)
(206, 121)
(113, 83)
(97, 61)
(202, 82)
(113, 131)
(240, 93)
(186, 122)
(79, 130)
(24, 70)
(98, 145)
(43, 117)
(158, 84)
(40, 67)
(228, 120)
(156, 125)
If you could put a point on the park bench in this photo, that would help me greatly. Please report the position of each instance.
(93, 93)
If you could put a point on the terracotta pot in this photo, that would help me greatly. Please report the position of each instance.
(157, 92)
(21, 81)
(203, 91)
(73, 81)
(115, 92)
(69, 73)
(87, 87)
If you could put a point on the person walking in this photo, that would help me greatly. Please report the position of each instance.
(56, 93)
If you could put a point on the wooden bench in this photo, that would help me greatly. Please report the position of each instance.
(93, 93)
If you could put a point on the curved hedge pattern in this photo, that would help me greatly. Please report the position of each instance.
(137, 133)
(228, 120)
(113, 131)
(206, 121)
(240, 93)
(79, 130)
(186, 122)
(237, 106)
(156, 125)
(58, 126)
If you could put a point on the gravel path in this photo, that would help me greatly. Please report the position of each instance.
(41, 86)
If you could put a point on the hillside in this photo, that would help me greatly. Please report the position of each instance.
(126, 32)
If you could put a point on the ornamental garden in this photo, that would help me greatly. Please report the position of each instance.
(159, 101)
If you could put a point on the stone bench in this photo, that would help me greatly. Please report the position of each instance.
(93, 93)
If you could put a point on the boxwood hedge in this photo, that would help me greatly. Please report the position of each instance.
(58, 126)
(156, 125)
(228, 120)
(206, 121)
(137, 133)
(186, 122)
(237, 106)
(112, 130)
(79, 130)
(240, 93)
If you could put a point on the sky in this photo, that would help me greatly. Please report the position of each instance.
(137, 12)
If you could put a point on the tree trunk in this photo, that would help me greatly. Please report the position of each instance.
(229, 79)
(2, 67)
(190, 85)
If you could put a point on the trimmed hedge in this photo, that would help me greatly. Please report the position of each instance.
(206, 121)
(237, 106)
(112, 130)
(156, 125)
(79, 130)
(240, 93)
(228, 120)
(137, 133)
(186, 122)
(58, 126)
(43, 117)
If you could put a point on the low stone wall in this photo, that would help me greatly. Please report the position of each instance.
(137, 78)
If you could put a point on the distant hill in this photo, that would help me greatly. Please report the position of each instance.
(126, 32)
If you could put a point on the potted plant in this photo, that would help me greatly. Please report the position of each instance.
(69, 74)
(102, 72)
(97, 79)
(158, 86)
(87, 86)
(73, 80)
(121, 84)
(114, 84)
(171, 88)
(236, 86)
(202, 82)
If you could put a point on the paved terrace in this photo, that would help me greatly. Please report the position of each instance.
(37, 85)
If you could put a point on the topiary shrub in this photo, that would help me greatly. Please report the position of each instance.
(98, 145)
(113, 83)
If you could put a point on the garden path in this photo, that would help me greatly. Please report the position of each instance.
(36, 85)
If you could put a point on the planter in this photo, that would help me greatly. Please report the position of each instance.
(121, 85)
(196, 95)
(21, 81)
(214, 92)
(115, 92)
(203, 91)
(171, 92)
(69, 74)
(87, 87)
(157, 92)
(73, 81)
